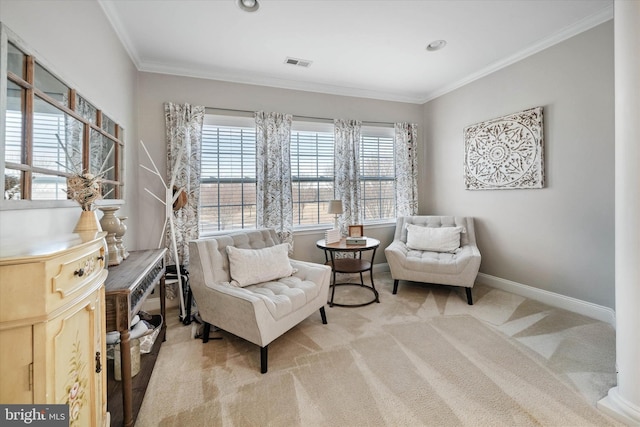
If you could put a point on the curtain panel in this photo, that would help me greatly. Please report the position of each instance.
(184, 138)
(347, 171)
(406, 161)
(274, 192)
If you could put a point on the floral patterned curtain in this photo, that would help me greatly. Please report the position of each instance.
(274, 194)
(346, 169)
(184, 137)
(406, 143)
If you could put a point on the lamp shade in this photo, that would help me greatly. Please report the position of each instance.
(335, 207)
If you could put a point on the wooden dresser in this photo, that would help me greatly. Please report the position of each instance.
(52, 335)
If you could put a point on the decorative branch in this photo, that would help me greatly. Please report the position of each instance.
(169, 199)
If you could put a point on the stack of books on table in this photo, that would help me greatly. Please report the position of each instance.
(356, 240)
(332, 236)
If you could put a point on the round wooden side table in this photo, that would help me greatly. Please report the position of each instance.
(350, 265)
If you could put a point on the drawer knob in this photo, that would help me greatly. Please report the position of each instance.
(79, 272)
(98, 363)
(100, 258)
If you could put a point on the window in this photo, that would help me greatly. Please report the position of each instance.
(377, 174)
(228, 173)
(50, 132)
(311, 173)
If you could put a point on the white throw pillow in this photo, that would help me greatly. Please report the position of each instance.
(251, 266)
(440, 239)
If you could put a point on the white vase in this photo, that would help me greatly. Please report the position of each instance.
(111, 224)
(119, 235)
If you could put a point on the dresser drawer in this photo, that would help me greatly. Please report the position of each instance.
(39, 284)
(76, 273)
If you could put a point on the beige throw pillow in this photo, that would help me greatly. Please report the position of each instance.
(441, 239)
(251, 266)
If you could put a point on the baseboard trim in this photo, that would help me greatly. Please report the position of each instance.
(619, 409)
(595, 311)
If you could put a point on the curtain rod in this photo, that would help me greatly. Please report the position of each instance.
(297, 116)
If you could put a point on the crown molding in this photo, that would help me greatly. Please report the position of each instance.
(121, 32)
(585, 24)
(246, 78)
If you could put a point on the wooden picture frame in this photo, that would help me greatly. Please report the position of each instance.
(356, 231)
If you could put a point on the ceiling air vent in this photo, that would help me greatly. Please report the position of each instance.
(299, 62)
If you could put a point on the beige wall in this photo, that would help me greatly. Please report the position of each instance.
(560, 238)
(76, 41)
(155, 89)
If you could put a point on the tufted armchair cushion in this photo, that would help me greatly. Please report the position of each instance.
(280, 298)
(459, 268)
(262, 312)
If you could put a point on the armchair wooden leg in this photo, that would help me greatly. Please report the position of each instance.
(205, 332)
(469, 298)
(263, 359)
(333, 288)
(395, 286)
(324, 315)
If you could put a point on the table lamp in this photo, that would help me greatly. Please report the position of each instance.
(335, 208)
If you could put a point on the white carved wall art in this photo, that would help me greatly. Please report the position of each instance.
(505, 153)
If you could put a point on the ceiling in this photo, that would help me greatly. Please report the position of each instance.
(373, 49)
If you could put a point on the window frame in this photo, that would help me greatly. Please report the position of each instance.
(222, 120)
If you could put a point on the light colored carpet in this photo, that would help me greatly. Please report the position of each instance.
(422, 357)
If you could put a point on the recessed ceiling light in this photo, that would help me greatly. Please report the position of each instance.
(436, 45)
(248, 5)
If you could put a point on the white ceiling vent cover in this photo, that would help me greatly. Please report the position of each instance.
(297, 61)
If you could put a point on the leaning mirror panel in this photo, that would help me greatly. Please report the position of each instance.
(50, 133)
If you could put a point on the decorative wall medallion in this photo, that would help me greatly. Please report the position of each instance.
(505, 153)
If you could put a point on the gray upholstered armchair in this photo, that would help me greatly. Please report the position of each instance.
(227, 276)
(434, 256)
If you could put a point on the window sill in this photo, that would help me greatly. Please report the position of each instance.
(315, 229)
(307, 230)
